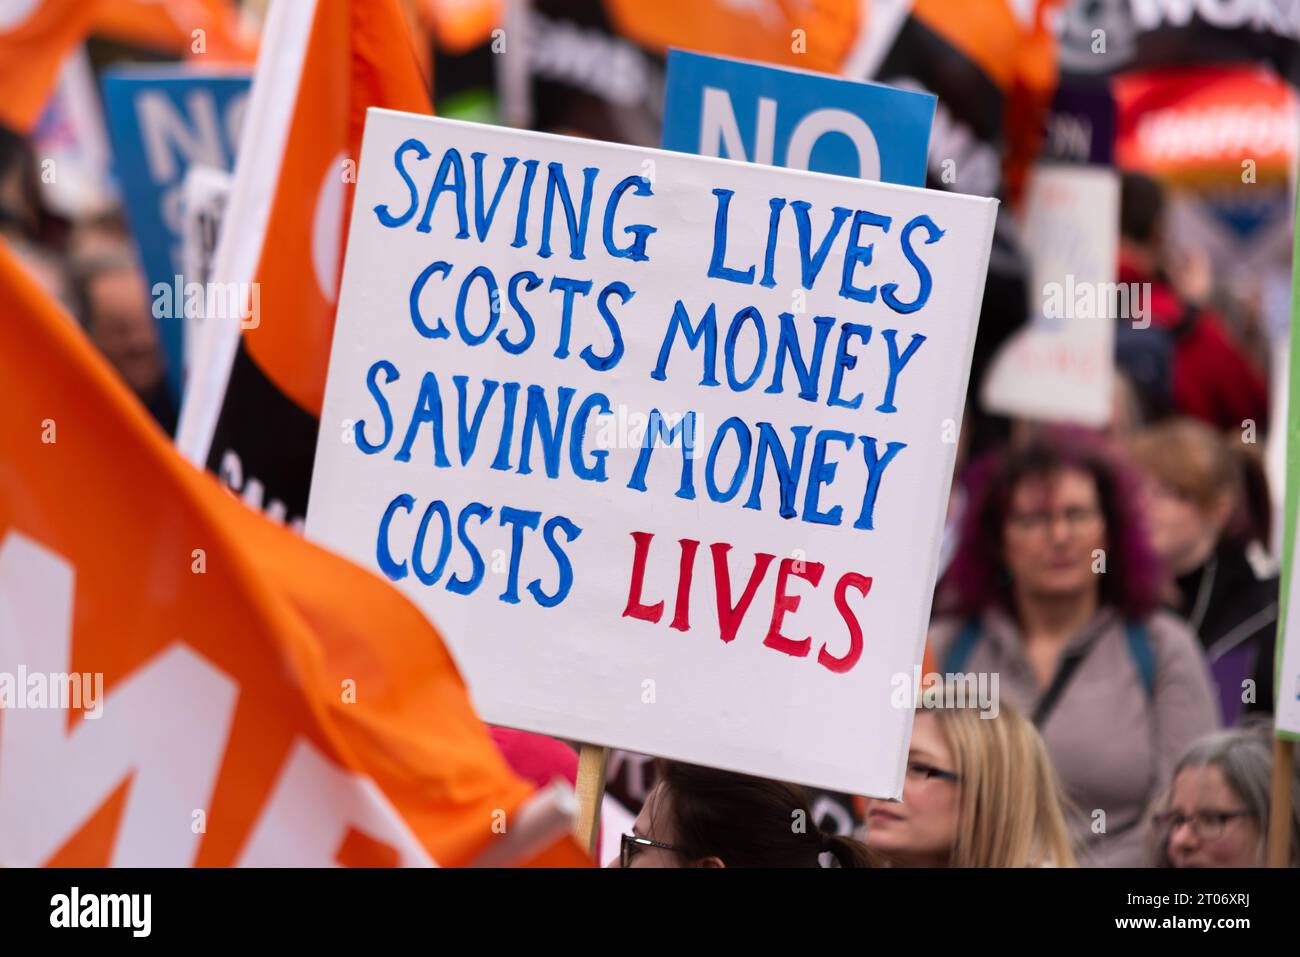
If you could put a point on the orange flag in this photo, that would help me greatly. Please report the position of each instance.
(35, 37)
(460, 25)
(194, 28)
(183, 682)
(250, 410)
(813, 34)
(1015, 47)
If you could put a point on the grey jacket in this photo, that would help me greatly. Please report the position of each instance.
(1112, 746)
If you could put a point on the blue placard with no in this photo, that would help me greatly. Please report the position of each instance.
(160, 120)
(717, 106)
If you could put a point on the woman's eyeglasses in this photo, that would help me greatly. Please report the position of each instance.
(1208, 825)
(924, 772)
(1076, 517)
(632, 843)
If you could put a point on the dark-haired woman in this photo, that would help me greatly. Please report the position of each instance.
(1054, 588)
(703, 817)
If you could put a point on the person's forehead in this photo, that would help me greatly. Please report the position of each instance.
(116, 280)
(1066, 481)
(927, 738)
(1202, 784)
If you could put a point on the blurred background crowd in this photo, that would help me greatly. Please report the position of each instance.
(1120, 573)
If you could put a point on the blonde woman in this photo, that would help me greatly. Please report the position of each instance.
(979, 792)
(1206, 503)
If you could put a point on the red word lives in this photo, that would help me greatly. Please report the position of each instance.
(732, 609)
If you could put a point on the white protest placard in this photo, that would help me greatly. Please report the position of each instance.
(1061, 368)
(661, 443)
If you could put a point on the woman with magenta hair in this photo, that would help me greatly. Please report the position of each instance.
(1055, 589)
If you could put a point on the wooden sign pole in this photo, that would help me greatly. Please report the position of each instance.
(1279, 812)
(590, 789)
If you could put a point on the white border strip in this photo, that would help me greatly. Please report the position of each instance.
(274, 96)
(882, 20)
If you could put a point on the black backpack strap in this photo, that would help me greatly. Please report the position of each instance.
(1064, 672)
(1069, 665)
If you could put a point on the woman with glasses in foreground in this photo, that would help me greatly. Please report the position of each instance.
(1216, 811)
(979, 792)
(703, 817)
(1054, 588)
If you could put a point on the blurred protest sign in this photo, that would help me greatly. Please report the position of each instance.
(1080, 125)
(204, 194)
(162, 119)
(1223, 139)
(1061, 367)
(72, 143)
(1194, 127)
(182, 682)
(715, 106)
(250, 411)
(1097, 39)
(666, 461)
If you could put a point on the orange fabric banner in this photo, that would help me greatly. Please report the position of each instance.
(35, 37)
(358, 55)
(811, 34)
(231, 694)
(200, 29)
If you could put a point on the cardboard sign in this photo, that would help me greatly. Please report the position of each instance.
(1061, 368)
(666, 461)
(161, 119)
(717, 106)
